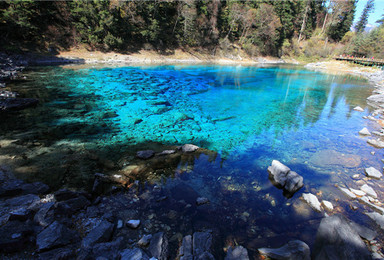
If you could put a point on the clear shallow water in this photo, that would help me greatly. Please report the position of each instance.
(247, 115)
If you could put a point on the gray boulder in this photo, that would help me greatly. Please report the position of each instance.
(101, 233)
(146, 154)
(133, 254)
(189, 148)
(337, 239)
(55, 235)
(201, 244)
(237, 253)
(158, 246)
(185, 250)
(282, 177)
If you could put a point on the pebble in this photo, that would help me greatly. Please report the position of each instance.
(372, 172)
(133, 223)
(364, 131)
(119, 224)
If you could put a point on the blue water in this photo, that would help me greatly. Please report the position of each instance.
(244, 116)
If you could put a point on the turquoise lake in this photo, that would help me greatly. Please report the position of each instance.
(94, 119)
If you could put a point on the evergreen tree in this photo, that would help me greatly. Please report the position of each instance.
(341, 18)
(362, 23)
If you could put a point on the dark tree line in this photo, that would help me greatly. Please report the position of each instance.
(259, 27)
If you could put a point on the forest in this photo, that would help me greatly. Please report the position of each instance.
(296, 28)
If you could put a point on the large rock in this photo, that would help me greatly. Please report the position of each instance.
(293, 250)
(378, 218)
(330, 158)
(71, 206)
(159, 246)
(109, 250)
(336, 239)
(201, 244)
(369, 191)
(237, 253)
(373, 173)
(282, 177)
(55, 235)
(101, 233)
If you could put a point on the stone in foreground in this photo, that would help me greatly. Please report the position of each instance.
(237, 253)
(293, 250)
(312, 201)
(282, 177)
(373, 173)
(336, 239)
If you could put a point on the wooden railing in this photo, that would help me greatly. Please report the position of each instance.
(363, 61)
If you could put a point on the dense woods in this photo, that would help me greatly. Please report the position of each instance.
(264, 27)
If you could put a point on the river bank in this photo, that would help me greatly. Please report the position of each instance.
(138, 214)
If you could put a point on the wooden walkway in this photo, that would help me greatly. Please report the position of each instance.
(363, 61)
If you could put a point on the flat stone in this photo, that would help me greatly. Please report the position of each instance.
(347, 193)
(376, 143)
(133, 223)
(312, 201)
(189, 148)
(295, 249)
(332, 158)
(101, 233)
(369, 191)
(364, 132)
(327, 205)
(358, 109)
(55, 235)
(373, 172)
(201, 201)
(146, 154)
(159, 246)
(237, 253)
(359, 193)
(336, 239)
(133, 254)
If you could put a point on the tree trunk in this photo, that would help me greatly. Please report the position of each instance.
(304, 20)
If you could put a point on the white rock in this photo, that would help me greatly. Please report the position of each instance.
(119, 224)
(347, 193)
(358, 109)
(133, 223)
(188, 148)
(312, 201)
(369, 191)
(359, 193)
(372, 172)
(376, 143)
(327, 205)
(364, 131)
(366, 201)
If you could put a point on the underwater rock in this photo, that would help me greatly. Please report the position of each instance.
(293, 250)
(312, 201)
(358, 109)
(327, 205)
(336, 239)
(347, 193)
(17, 103)
(364, 131)
(333, 158)
(376, 143)
(237, 253)
(146, 154)
(185, 250)
(372, 172)
(101, 233)
(133, 223)
(283, 177)
(189, 148)
(359, 193)
(201, 244)
(55, 235)
(377, 217)
(159, 246)
(369, 191)
(201, 201)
